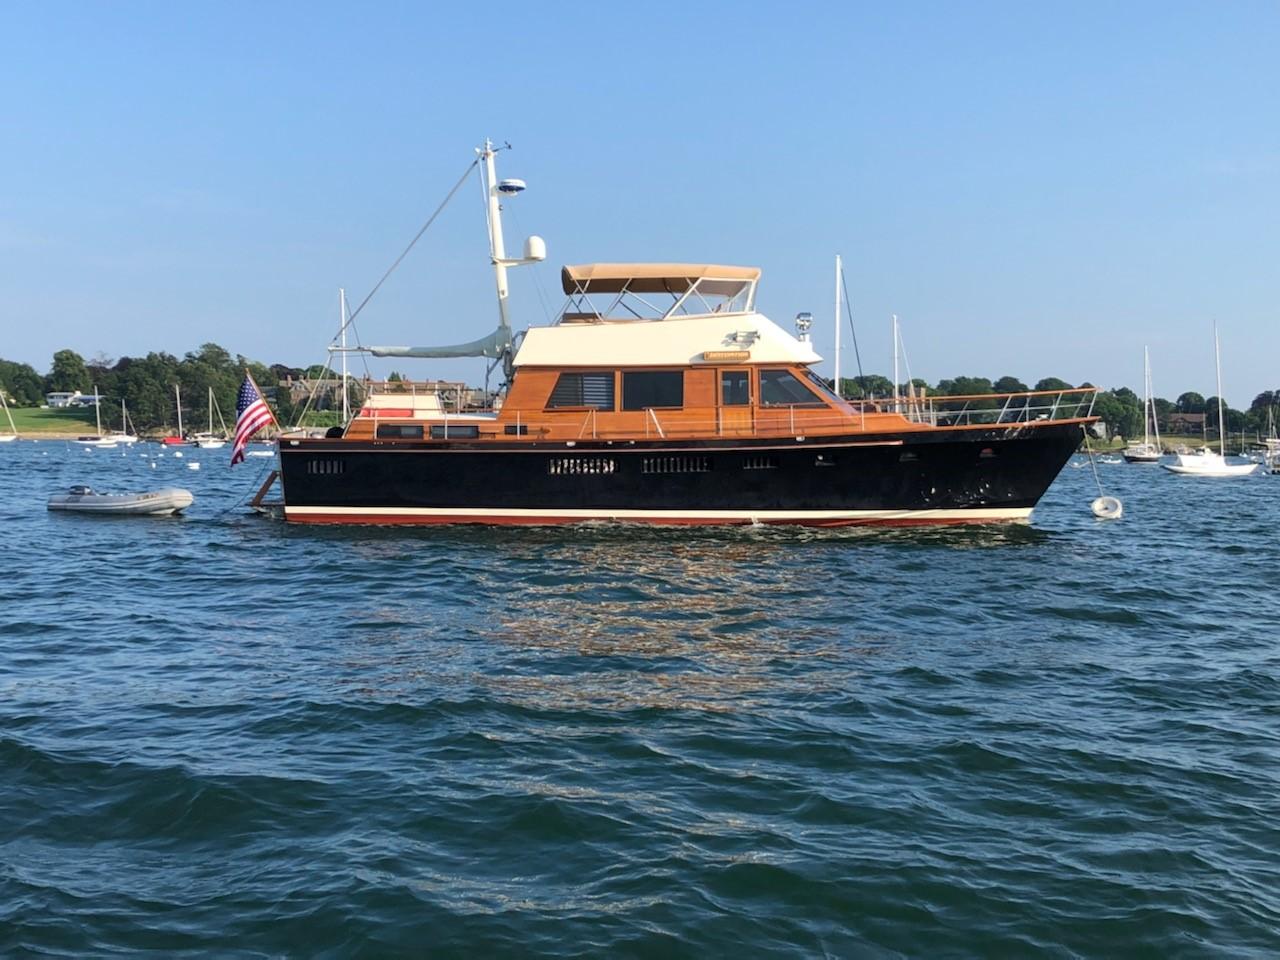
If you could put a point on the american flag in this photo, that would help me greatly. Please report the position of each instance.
(252, 414)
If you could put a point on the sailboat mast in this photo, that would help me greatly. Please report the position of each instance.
(4, 403)
(342, 320)
(837, 379)
(210, 406)
(1217, 362)
(177, 399)
(895, 362)
(1146, 402)
(97, 409)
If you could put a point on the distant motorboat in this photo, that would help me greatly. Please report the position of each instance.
(1109, 458)
(83, 499)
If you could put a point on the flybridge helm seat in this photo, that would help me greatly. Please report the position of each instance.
(600, 292)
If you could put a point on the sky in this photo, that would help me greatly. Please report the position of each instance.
(1034, 189)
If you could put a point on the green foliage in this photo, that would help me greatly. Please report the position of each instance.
(1010, 385)
(964, 386)
(1052, 383)
(21, 384)
(1190, 402)
(68, 373)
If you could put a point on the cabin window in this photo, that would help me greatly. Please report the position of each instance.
(781, 388)
(642, 389)
(454, 431)
(583, 390)
(676, 464)
(735, 388)
(516, 429)
(399, 431)
(823, 388)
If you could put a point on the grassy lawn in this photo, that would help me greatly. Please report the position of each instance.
(33, 420)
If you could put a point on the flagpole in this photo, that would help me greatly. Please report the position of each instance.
(263, 396)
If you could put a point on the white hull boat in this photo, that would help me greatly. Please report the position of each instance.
(8, 437)
(1207, 463)
(206, 442)
(153, 503)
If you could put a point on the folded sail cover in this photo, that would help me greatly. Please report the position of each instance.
(491, 346)
(656, 278)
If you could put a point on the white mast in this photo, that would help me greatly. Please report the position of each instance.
(497, 249)
(1146, 402)
(895, 362)
(5, 404)
(1217, 361)
(837, 380)
(97, 409)
(210, 406)
(177, 399)
(342, 322)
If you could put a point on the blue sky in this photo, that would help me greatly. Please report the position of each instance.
(1034, 189)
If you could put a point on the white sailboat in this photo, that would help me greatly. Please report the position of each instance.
(1146, 452)
(97, 440)
(1206, 462)
(13, 431)
(210, 440)
(124, 434)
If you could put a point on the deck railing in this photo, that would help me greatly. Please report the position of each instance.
(997, 408)
(1033, 406)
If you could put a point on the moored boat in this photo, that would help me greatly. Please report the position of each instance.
(1206, 462)
(83, 499)
(662, 395)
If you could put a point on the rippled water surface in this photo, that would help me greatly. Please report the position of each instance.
(222, 735)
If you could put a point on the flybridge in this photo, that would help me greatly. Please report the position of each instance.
(603, 292)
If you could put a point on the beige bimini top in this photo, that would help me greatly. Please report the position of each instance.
(656, 278)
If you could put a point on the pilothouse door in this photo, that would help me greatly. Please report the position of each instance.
(735, 402)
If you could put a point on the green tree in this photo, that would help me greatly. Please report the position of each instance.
(68, 373)
(1190, 402)
(22, 385)
(1009, 385)
(1052, 383)
(965, 386)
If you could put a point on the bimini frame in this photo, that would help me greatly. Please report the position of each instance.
(695, 289)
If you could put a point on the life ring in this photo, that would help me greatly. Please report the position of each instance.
(1107, 508)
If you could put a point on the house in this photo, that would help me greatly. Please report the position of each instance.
(62, 399)
(1185, 423)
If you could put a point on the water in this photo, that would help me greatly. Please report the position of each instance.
(222, 735)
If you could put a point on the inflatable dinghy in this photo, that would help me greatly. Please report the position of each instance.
(150, 504)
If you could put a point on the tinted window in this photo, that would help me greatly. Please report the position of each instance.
(583, 390)
(780, 388)
(821, 385)
(652, 388)
(735, 388)
(400, 431)
(450, 431)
